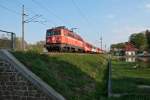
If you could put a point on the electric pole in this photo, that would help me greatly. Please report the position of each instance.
(23, 14)
(101, 42)
(32, 19)
(105, 48)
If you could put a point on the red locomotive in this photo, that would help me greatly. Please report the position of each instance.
(63, 39)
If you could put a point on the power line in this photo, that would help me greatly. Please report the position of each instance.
(20, 2)
(80, 12)
(10, 10)
(47, 10)
(101, 42)
(44, 18)
(34, 13)
(39, 4)
(32, 19)
(85, 18)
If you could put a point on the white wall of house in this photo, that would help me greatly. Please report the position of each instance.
(130, 59)
(130, 53)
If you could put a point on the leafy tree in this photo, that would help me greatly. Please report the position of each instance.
(5, 43)
(139, 40)
(38, 47)
(18, 44)
(116, 49)
(147, 33)
(118, 45)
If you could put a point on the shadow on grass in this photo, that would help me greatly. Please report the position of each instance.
(65, 77)
(131, 85)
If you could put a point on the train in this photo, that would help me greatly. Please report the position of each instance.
(64, 40)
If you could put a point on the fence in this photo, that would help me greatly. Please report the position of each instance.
(7, 40)
(109, 77)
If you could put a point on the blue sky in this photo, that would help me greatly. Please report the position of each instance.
(115, 20)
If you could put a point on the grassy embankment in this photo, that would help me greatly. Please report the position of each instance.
(131, 78)
(75, 76)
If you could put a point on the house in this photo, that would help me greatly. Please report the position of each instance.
(129, 49)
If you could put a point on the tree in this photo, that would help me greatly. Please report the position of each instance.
(116, 49)
(139, 40)
(147, 33)
(18, 44)
(37, 47)
(118, 46)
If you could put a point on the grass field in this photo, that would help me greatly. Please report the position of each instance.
(75, 76)
(131, 78)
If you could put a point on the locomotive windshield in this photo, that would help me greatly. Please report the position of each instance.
(50, 33)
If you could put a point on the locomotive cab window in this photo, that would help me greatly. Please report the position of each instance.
(50, 33)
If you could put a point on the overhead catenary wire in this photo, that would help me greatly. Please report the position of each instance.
(33, 18)
(10, 10)
(83, 16)
(51, 13)
(17, 13)
(80, 12)
(45, 20)
(34, 14)
(48, 10)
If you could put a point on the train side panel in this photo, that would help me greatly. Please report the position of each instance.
(62, 39)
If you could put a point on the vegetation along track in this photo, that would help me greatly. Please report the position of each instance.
(76, 76)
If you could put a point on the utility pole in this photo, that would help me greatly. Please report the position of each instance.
(23, 22)
(32, 19)
(101, 42)
(105, 48)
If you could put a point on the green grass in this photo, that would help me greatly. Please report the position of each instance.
(127, 79)
(75, 76)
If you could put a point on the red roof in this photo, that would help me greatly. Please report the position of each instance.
(129, 47)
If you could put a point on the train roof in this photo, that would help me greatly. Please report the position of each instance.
(71, 32)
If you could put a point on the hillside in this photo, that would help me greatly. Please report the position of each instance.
(75, 76)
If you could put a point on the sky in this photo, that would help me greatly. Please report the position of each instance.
(114, 20)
